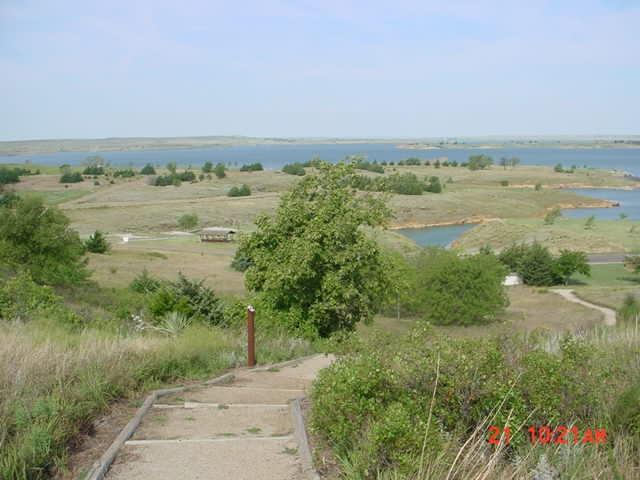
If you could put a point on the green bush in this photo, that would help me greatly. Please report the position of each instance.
(252, 167)
(188, 297)
(124, 173)
(22, 299)
(207, 167)
(479, 162)
(97, 243)
(38, 238)
(454, 290)
(145, 283)
(10, 175)
(93, 170)
(174, 178)
(241, 191)
(71, 177)
(188, 221)
(148, 170)
(294, 169)
(626, 413)
(220, 170)
(372, 406)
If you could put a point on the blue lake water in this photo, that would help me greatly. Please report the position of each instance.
(275, 156)
(435, 236)
(629, 204)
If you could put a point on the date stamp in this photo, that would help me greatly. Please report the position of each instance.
(546, 435)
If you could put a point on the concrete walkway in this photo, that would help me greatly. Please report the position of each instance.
(243, 430)
(609, 315)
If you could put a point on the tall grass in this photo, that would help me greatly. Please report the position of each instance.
(54, 383)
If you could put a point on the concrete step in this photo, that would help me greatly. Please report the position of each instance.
(225, 459)
(267, 379)
(213, 422)
(235, 394)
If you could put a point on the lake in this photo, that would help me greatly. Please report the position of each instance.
(275, 156)
(436, 236)
(629, 204)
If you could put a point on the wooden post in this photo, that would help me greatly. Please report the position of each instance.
(251, 336)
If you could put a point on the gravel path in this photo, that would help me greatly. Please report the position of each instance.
(609, 315)
(243, 430)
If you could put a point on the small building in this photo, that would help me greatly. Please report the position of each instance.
(216, 234)
(511, 280)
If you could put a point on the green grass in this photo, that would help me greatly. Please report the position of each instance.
(55, 382)
(569, 233)
(55, 197)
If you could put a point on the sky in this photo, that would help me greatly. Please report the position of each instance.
(338, 68)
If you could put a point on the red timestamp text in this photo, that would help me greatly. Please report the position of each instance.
(546, 435)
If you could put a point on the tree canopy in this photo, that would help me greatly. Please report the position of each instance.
(37, 238)
(312, 256)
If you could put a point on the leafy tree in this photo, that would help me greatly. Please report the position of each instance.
(37, 238)
(453, 290)
(220, 170)
(504, 161)
(479, 162)
(312, 257)
(570, 262)
(148, 170)
(552, 216)
(207, 167)
(537, 266)
(97, 243)
(188, 221)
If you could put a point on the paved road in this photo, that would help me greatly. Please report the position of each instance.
(241, 431)
(600, 258)
(609, 315)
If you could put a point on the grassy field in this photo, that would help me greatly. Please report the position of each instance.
(605, 236)
(529, 309)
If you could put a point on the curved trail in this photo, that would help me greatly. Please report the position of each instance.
(609, 315)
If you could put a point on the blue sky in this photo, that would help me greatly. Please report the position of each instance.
(77, 69)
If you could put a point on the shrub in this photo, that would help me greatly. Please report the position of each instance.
(252, 167)
(219, 171)
(188, 221)
(145, 283)
(9, 175)
(433, 185)
(294, 169)
(590, 223)
(97, 243)
(538, 187)
(148, 170)
(174, 179)
(450, 289)
(22, 299)
(411, 161)
(626, 413)
(207, 167)
(241, 191)
(124, 173)
(71, 177)
(188, 297)
(504, 183)
(37, 238)
(479, 162)
(93, 170)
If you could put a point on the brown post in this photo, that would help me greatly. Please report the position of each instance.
(251, 336)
